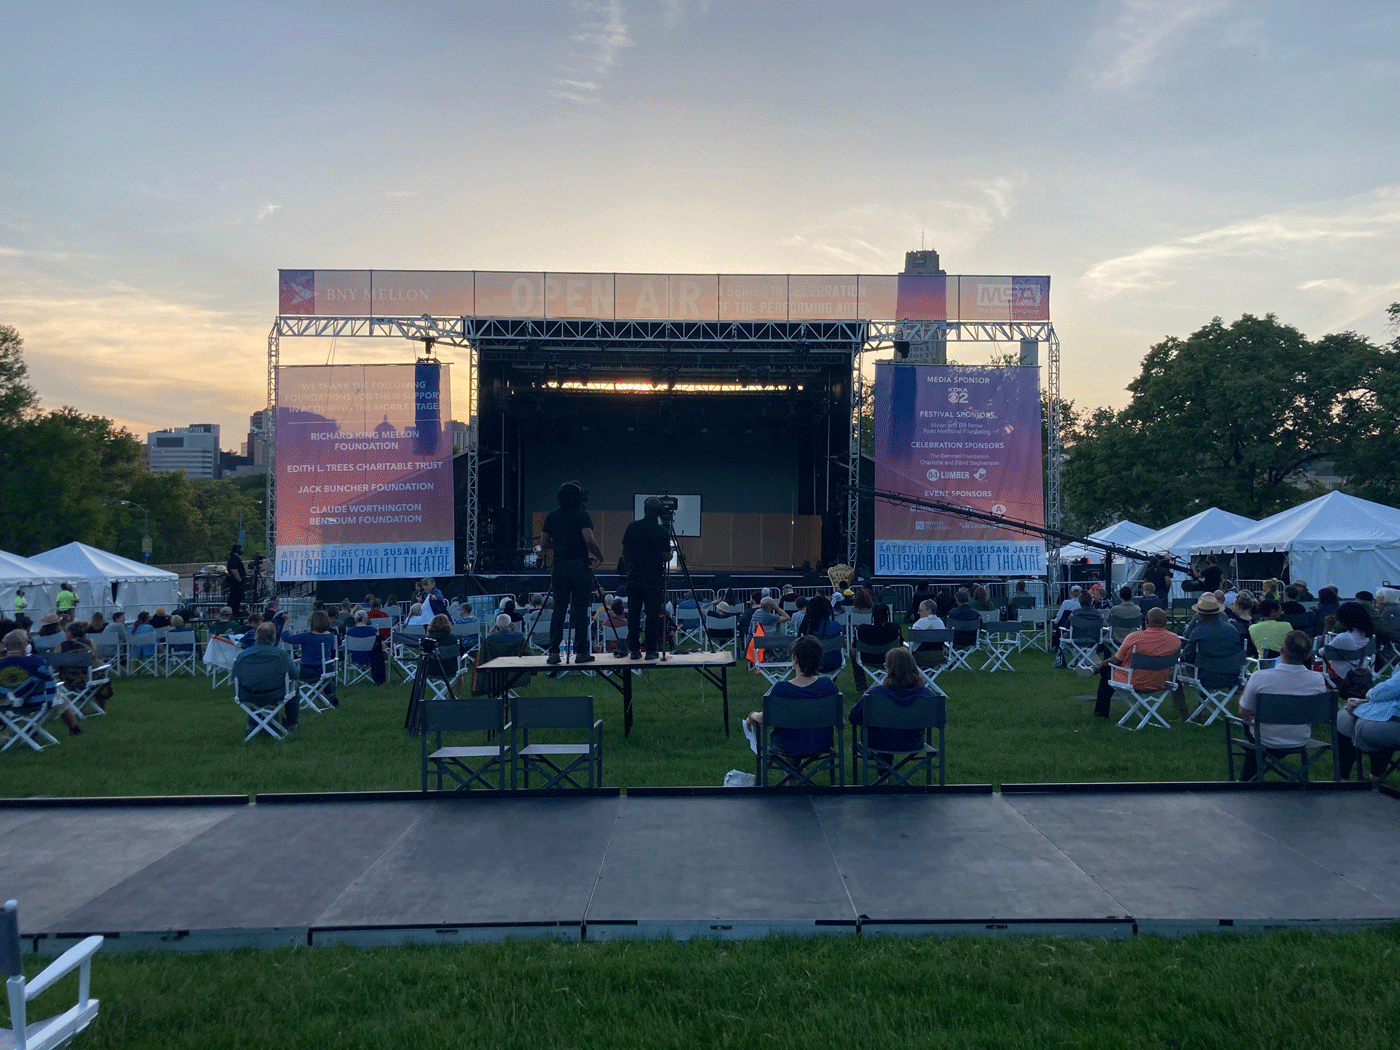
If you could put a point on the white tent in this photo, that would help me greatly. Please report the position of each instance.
(1180, 539)
(1123, 533)
(40, 583)
(1350, 543)
(108, 582)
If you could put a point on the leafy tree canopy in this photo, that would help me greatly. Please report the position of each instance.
(1232, 416)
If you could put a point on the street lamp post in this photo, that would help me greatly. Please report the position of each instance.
(145, 539)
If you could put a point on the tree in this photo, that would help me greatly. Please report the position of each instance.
(18, 399)
(1231, 417)
(1370, 460)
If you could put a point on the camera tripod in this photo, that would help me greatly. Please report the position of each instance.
(669, 519)
(598, 592)
(427, 649)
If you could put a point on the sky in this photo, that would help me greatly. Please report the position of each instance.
(1165, 161)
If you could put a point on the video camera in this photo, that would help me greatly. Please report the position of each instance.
(669, 505)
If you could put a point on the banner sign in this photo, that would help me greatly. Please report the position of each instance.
(963, 435)
(680, 297)
(364, 472)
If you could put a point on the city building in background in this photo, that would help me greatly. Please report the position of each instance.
(193, 449)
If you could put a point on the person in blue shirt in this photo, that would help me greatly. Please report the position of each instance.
(1371, 725)
(317, 652)
(807, 684)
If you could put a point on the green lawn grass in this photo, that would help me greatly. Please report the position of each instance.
(177, 736)
(1281, 991)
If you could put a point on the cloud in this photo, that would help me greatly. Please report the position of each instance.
(267, 210)
(1140, 34)
(1350, 301)
(402, 193)
(1372, 217)
(600, 38)
(955, 220)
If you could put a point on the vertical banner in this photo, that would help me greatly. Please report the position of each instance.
(364, 472)
(963, 435)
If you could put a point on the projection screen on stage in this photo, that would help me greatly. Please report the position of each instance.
(969, 436)
(364, 472)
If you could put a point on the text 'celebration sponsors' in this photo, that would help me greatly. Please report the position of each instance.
(963, 435)
(364, 472)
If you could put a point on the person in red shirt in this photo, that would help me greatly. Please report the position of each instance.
(1153, 640)
(377, 613)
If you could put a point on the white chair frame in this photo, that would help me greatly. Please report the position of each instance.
(267, 718)
(352, 672)
(53, 1032)
(1146, 704)
(185, 659)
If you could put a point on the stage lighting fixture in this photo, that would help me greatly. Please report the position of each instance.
(901, 348)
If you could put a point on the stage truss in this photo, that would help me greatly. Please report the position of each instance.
(523, 338)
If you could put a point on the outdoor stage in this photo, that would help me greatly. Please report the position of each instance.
(370, 870)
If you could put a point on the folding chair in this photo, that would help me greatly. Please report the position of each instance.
(722, 631)
(262, 699)
(1117, 629)
(1278, 709)
(26, 701)
(615, 636)
(688, 626)
(1213, 701)
(180, 647)
(1180, 610)
(43, 644)
(313, 693)
(961, 648)
(355, 665)
(404, 652)
(109, 642)
(467, 765)
(856, 619)
(557, 763)
(1001, 640)
(773, 656)
(836, 643)
(1037, 635)
(900, 767)
(931, 662)
(1082, 638)
(781, 712)
(864, 649)
(143, 654)
(82, 697)
(51, 1032)
(219, 654)
(537, 630)
(442, 669)
(1144, 702)
(468, 636)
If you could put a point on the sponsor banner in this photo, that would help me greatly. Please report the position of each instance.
(703, 297)
(964, 435)
(364, 561)
(364, 471)
(914, 558)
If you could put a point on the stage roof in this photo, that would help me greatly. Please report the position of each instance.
(678, 297)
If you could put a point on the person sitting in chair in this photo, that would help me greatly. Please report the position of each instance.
(1290, 677)
(903, 684)
(879, 631)
(378, 670)
(1153, 640)
(1371, 725)
(317, 652)
(806, 684)
(263, 660)
(75, 678)
(819, 622)
(964, 621)
(1267, 632)
(17, 664)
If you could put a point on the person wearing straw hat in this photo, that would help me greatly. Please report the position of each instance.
(1213, 636)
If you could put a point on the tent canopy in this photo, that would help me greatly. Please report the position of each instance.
(40, 583)
(107, 582)
(1123, 533)
(1178, 539)
(1350, 543)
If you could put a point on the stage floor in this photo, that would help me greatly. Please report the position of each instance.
(652, 864)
